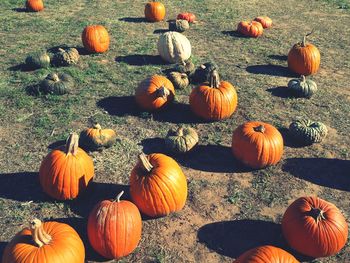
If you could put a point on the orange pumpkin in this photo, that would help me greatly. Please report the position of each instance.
(265, 21)
(257, 144)
(34, 5)
(154, 93)
(114, 228)
(66, 171)
(95, 39)
(215, 100)
(314, 227)
(250, 29)
(266, 254)
(45, 242)
(157, 185)
(304, 58)
(154, 11)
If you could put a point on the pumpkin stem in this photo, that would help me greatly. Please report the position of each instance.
(146, 165)
(260, 128)
(180, 131)
(214, 80)
(61, 50)
(163, 92)
(303, 44)
(97, 126)
(302, 78)
(55, 77)
(183, 75)
(317, 214)
(40, 237)
(118, 196)
(202, 66)
(72, 143)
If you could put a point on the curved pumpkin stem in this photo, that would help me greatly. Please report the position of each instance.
(302, 78)
(61, 50)
(40, 237)
(97, 126)
(317, 214)
(163, 92)
(146, 165)
(72, 144)
(214, 80)
(55, 77)
(180, 131)
(303, 44)
(118, 196)
(260, 128)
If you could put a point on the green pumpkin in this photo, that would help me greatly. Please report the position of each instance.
(179, 80)
(203, 72)
(57, 84)
(185, 67)
(38, 60)
(66, 57)
(307, 131)
(302, 87)
(181, 140)
(178, 25)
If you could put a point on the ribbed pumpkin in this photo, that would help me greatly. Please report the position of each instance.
(96, 138)
(174, 47)
(45, 242)
(314, 227)
(178, 25)
(257, 144)
(66, 57)
(114, 228)
(181, 140)
(302, 87)
(265, 21)
(190, 17)
(266, 254)
(304, 58)
(158, 186)
(95, 39)
(179, 80)
(34, 5)
(215, 100)
(250, 29)
(66, 171)
(307, 131)
(38, 60)
(154, 11)
(57, 83)
(154, 93)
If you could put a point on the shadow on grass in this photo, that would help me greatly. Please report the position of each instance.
(153, 145)
(233, 238)
(234, 33)
(56, 144)
(134, 19)
(28, 183)
(333, 173)
(160, 31)
(140, 60)
(21, 67)
(272, 70)
(2, 248)
(278, 57)
(281, 91)
(21, 10)
(33, 90)
(177, 113)
(288, 139)
(119, 106)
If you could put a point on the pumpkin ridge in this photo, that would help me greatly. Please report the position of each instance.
(162, 176)
(165, 205)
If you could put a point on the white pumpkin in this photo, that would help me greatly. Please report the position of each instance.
(174, 47)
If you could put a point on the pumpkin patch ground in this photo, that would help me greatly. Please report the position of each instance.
(230, 208)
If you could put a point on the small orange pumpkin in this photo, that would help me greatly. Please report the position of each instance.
(154, 93)
(257, 144)
(157, 185)
(154, 11)
(66, 171)
(114, 228)
(95, 38)
(250, 29)
(304, 58)
(45, 242)
(265, 21)
(215, 100)
(34, 5)
(96, 138)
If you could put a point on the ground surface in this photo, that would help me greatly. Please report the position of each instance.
(230, 208)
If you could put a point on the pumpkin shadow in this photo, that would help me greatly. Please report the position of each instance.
(288, 139)
(96, 192)
(23, 67)
(29, 184)
(233, 33)
(2, 247)
(21, 10)
(160, 31)
(33, 90)
(119, 106)
(271, 70)
(332, 173)
(140, 60)
(56, 144)
(281, 91)
(80, 226)
(278, 57)
(153, 145)
(134, 19)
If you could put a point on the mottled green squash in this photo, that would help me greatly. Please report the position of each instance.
(181, 140)
(66, 57)
(96, 138)
(179, 25)
(185, 67)
(179, 80)
(307, 131)
(57, 83)
(302, 87)
(203, 72)
(38, 60)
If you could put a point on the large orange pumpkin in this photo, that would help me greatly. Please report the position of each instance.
(157, 185)
(45, 242)
(250, 29)
(66, 171)
(34, 5)
(154, 11)
(215, 100)
(314, 227)
(114, 228)
(257, 144)
(266, 254)
(95, 39)
(304, 58)
(154, 93)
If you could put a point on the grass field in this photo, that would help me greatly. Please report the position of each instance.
(230, 208)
